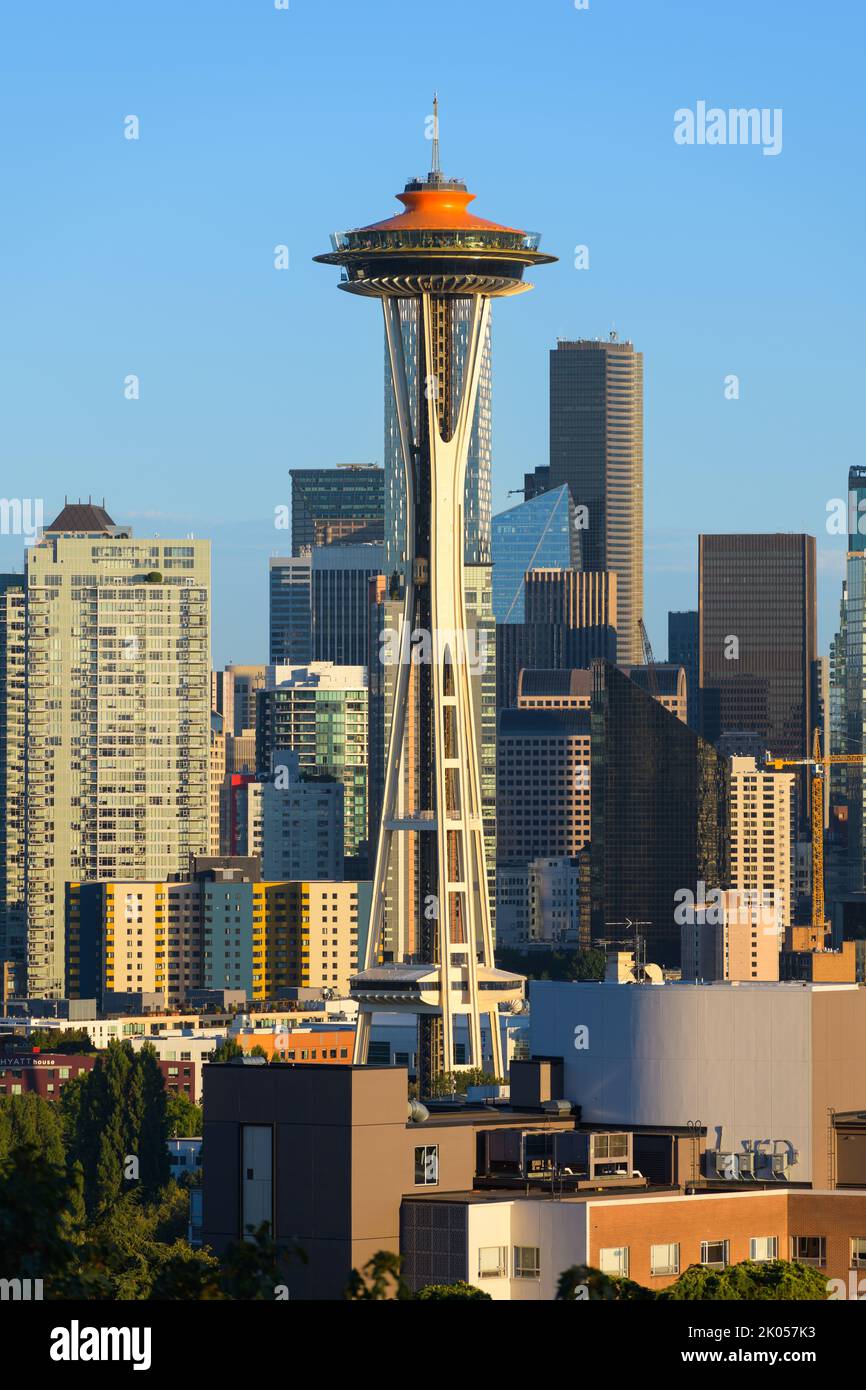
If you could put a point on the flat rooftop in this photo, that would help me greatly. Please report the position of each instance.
(490, 1196)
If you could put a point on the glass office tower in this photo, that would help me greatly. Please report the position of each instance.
(290, 597)
(758, 638)
(683, 631)
(596, 446)
(533, 535)
(658, 817)
(331, 504)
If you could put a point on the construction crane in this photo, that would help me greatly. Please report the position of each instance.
(820, 765)
(649, 659)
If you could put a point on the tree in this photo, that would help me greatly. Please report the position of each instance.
(582, 1283)
(752, 1280)
(31, 1120)
(227, 1049)
(182, 1116)
(379, 1279)
(552, 963)
(114, 1113)
(458, 1290)
(63, 1040)
(449, 1083)
(153, 1136)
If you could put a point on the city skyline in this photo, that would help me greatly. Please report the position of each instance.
(234, 390)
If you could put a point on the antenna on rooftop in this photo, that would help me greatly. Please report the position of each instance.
(435, 169)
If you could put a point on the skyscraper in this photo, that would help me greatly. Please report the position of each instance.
(291, 608)
(435, 266)
(762, 834)
(331, 504)
(683, 642)
(533, 535)
(233, 696)
(596, 447)
(341, 597)
(118, 709)
(13, 929)
(543, 784)
(320, 712)
(659, 815)
(758, 638)
(570, 618)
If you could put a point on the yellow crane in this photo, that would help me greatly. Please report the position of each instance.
(819, 764)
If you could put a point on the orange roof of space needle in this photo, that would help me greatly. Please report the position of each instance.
(436, 209)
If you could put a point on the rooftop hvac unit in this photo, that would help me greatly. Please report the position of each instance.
(557, 1107)
(723, 1165)
(746, 1164)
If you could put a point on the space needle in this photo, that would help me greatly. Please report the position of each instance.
(452, 264)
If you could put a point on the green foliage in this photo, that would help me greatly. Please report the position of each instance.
(61, 1040)
(227, 1050)
(116, 1111)
(31, 1120)
(459, 1290)
(184, 1119)
(153, 1134)
(379, 1279)
(132, 1250)
(450, 1083)
(552, 964)
(752, 1280)
(583, 1283)
(37, 1217)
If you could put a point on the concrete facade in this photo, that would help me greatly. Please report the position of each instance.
(758, 1065)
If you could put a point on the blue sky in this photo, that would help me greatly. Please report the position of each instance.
(262, 126)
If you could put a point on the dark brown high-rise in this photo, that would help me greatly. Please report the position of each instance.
(758, 638)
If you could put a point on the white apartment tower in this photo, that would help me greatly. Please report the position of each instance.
(762, 806)
(118, 716)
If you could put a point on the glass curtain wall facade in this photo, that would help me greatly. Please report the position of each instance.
(290, 594)
(596, 447)
(659, 814)
(329, 504)
(683, 632)
(758, 638)
(321, 716)
(855, 676)
(341, 596)
(533, 535)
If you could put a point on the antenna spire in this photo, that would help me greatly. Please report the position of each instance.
(435, 166)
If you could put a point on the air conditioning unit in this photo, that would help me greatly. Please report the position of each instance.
(747, 1164)
(557, 1107)
(723, 1165)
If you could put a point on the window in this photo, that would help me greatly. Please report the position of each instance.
(492, 1261)
(614, 1260)
(665, 1259)
(257, 1182)
(527, 1262)
(858, 1252)
(809, 1250)
(427, 1165)
(714, 1253)
(764, 1248)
